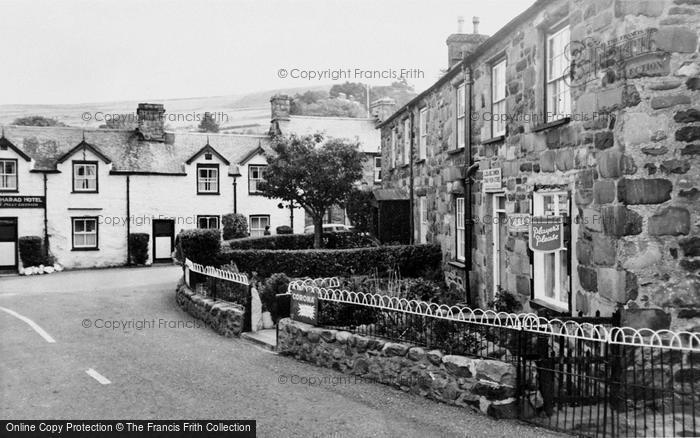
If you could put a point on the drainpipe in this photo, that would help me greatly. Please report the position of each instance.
(128, 222)
(46, 219)
(410, 174)
(235, 196)
(468, 222)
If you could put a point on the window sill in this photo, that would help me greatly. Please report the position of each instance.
(87, 192)
(9, 190)
(457, 264)
(456, 151)
(421, 161)
(554, 124)
(404, 166)
(549, 305)
(85, 249)
(255, 194)
(208, 193)
(496, 139)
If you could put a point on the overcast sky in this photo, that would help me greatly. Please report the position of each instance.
(72, 51)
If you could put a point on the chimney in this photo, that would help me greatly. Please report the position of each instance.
(382, 108)
(460, 45)
(151, 121)
(280, 107)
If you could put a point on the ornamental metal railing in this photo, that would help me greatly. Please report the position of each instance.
(583, 378)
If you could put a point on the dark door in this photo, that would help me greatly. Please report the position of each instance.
(8, 243)
(163, 239)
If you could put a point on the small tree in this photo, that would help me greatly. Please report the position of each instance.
(314, 174)
(359, 209)
(208, 124)
(37, 121)
(235, 226)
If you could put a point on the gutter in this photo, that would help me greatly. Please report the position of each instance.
(128, 220)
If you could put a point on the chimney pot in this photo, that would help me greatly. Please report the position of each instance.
(460, 24)
(475, 22)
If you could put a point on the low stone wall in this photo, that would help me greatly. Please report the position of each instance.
(224, 317)
(486, 385)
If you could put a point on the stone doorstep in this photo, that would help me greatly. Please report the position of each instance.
(266, 338)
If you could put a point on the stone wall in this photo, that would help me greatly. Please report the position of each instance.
(485, 385)
(224, 317)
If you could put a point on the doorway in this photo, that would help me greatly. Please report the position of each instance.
(163, 239)
(8, 243)
(500, 237)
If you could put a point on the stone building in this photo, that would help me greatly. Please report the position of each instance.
(578, 120)
(85, 191)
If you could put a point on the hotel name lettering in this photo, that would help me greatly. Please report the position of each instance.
(22, 201)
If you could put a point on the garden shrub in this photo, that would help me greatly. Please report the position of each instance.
(304, 241)
(408, 260)
(284, 229)
(200, 246)
(275, 285)
(138, 247)
(31, 251)
(234, 226)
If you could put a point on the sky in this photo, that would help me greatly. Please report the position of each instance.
(75, 51)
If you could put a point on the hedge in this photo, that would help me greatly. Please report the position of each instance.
(138, 247)
(31, 251)
(234, 225)
(409, 260)
(303, 241)
(200, 246)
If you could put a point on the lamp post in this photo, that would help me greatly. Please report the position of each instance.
(291, 207)
(235, 173)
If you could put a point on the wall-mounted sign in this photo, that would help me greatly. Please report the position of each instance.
(492, 180)
(518, 222)
(304, 306)
(546, 233)
(22, 201)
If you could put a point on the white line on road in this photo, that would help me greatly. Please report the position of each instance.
(97, 376)
(32, 324)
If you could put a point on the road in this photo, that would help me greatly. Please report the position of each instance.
(167, 366)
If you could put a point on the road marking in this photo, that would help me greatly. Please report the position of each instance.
(32, 324)
(97, 376)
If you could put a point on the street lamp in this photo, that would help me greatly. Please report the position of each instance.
(235, 173)
(291, 207)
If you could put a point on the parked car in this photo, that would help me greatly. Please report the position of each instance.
(330, 228)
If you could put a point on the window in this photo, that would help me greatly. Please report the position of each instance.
(551, 276)
(498, 99)
(377, 169)
(423, 127)
(459, 219)
(207, 179)
(461, 116)
(208, 222)
(8, 175)
(256, 174)
(258, 225)
(406, 141)
(85, 176)
(393, 148)
(423, 212)
(84, 233)
(558, 104)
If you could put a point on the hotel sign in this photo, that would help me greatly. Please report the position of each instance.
(22, 201)
(546, 233)
(304, 306)
(492, 180)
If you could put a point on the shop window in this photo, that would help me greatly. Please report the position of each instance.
(377, 169)
(256, 175)
(208, 222)
(84, 233)
(8, 175)
(258, 225)
(85, 176)
(207, 179)
(498, 99)
(558, 95)
(551, 270)
(459, 225)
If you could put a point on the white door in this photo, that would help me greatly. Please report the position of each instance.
(163, 237)
(8, 243)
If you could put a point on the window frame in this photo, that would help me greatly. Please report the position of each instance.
(423, 218)
(423, 133)
(460, 226)
(407, 141)
(262, 230)
(16, 174)
(209, 217)
(250, 179)
(554, 114)
(75, 163)
(461, 111)
(214, 166)
(378, 169)
(394, 136)
(96, 247)
(498, 106)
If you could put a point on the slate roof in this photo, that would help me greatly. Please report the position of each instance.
(360, 129)
(46, 145)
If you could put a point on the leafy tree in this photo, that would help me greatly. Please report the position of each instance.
(235, 226)
(208, 124)
(332, 108)
(37, 121)
(359, 209)
(355, 89)
(314, 173)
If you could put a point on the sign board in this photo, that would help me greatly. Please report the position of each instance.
(22, 201)
(518, 222)
(492, 180)
(546, 233)
(304, 306)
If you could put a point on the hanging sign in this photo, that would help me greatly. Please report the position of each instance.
(492, 180)
(518, 222)
(304, 306)
(546, 233)
(22, 201)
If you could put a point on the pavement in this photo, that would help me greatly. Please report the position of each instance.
(124, 350)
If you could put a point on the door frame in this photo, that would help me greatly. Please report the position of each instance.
(172, 239)
(16, 221)
(496, 239)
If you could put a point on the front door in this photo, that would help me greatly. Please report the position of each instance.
(163, 239)
(500, 237)
(8, 243)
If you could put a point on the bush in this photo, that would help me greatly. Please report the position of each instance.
(359, 209)
(235, 226)
(284, 229)
(304, 241)
(31, 251)
(276, 284)
(138, 247)
(200, 246)
(409, 260)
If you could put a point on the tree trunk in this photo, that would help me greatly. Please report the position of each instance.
(318, 230)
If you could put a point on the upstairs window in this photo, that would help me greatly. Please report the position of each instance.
(498, 99)
(377, 169)
(256, 175)
(461, 116)
(423, 128)
(558, 104)
(207, 179)
(406, 141)
(85, 176)
(393, 148)
(8, 175)
(208, 222)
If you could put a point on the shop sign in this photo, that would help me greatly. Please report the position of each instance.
(492, 180)
(22, 201)
(304, 306)
(518, 222)
(546, 233)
